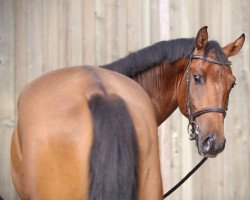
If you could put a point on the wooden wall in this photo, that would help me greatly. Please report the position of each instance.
(37, 36)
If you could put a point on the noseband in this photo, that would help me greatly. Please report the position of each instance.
(193, 128)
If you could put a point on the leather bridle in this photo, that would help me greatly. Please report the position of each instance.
(193, 128)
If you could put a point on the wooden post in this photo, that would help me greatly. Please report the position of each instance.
(75, 34)
(89, 32)
(50, 35)
(100, 32)
(7, 95)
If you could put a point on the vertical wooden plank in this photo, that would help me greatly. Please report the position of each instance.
(176, 156)
(75, 35)
(195, 14)
(20, 45)
(34, 66)
(100, 37)
(215, 25)
(154, 20)
(121, 19)
(204, 14)
(165, 147)
(175, 19)
(62, 33)
(7, 97)
(146, 21)
(245, 52)
(89, 32)
(164, 19)
(111, 30)
(227, 27)
(185, 14)
(186, 159)
(50, 34)
(164, 131)
(134, 25)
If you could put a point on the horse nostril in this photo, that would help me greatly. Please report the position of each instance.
(207, 144)
(222, 147)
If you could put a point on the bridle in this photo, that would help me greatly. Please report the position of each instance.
(193, 127)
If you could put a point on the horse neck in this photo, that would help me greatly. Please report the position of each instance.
(161, 84)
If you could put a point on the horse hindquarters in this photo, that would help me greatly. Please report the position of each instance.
(56, 127)
(114, 155)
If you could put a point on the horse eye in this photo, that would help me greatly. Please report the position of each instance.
(198, 79)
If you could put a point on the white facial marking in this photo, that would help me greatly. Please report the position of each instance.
(217, 87)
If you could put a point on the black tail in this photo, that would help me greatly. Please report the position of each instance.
(114, 155)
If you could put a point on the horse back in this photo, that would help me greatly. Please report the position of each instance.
(53, 140)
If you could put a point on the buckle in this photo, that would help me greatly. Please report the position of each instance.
(193, 130)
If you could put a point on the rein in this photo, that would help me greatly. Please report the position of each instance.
(184, 178)
(193, 127)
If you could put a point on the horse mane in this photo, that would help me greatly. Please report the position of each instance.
(213, 46)
(153, 55)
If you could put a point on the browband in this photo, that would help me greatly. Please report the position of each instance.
(209, 59)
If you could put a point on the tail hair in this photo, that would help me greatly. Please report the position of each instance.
(114, 153)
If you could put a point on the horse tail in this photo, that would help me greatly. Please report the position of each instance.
(114, 153)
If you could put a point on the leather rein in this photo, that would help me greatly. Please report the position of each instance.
(193, 128)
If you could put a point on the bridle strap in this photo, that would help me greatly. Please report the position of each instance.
(208, 110)
(195, 56)
(193, 114)
(188, 90)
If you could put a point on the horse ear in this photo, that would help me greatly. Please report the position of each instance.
(201, 38)
(234, 47)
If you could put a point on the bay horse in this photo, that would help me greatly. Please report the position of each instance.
(91, 132)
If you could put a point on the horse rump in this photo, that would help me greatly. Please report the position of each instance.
(114, 153)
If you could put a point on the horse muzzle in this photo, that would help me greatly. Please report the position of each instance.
(208, 146)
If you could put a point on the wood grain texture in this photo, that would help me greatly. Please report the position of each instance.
(89, 32)
(37, 36)
(7, 94)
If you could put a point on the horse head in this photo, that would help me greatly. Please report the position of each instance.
(204, 90)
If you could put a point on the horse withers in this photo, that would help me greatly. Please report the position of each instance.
(91, 132)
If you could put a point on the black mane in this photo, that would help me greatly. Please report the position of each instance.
(171, 50)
